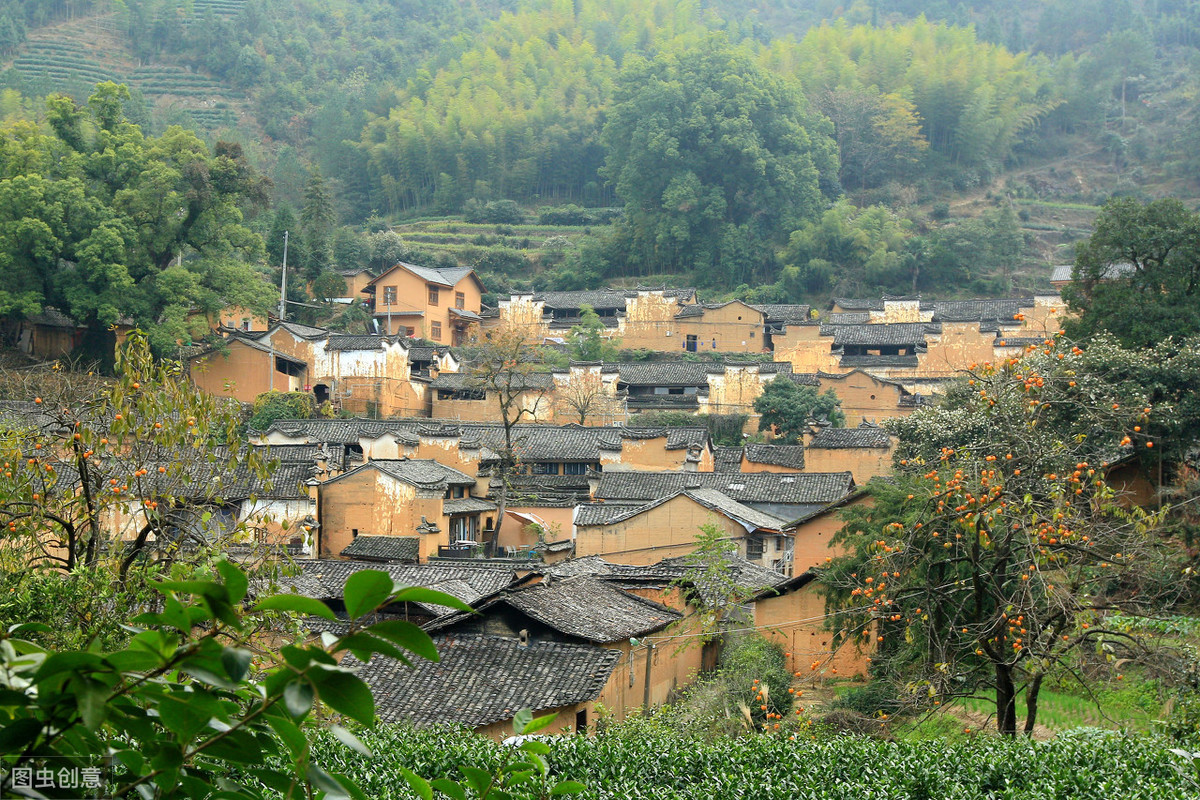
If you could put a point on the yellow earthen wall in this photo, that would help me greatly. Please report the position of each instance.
(666, 531)
(796, 621)
(865, 397)
(736, 328)
(863, 463)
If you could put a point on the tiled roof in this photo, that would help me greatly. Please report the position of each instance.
(484, 679)
(712, 499)
(778, 455)
(758, 487)
(458, 381)
(384, 548)
(420, 472)
(979, 310)
(467, 505)
(333, 454)
(804, 378)
(724, 504)
(350, 273)
(582, 607)
(894, 333)
(868, 361)
(685, 373)
(1017, 341)
(302, 331)
(324, 579)
(784, 312)
(197, 478)
(849, 318)
(727, 459)
(1064, 272)
(547, 491)
(535, 442)
(858, 304)
(743, 572)
(587, 514)
(442, 276)
(51, 317)
(355, 342)
(847, 438)
(596, 298)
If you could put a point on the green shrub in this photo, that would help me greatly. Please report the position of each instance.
(874, 698)
(270, 406)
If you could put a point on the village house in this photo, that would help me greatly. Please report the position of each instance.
(357, 280)
(441, 304)
(813, 532)
(52, 334)
(589, 610)
(668, 526)
(789, 610)
(866, 451)
(783, 495)
(551, 315)
(218, 501)
(371, 375)
(420, 500)
(917, 343)
(461, 396)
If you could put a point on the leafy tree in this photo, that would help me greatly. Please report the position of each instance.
(329, 285)
(849, 250)
(788, 409)
(715, 160)
(317, 218)
(194, 706)
(270, 406)
(878, 136)
(89, 462)
(1138, 275)
(586, 341)
(104, 222)
(991, 561)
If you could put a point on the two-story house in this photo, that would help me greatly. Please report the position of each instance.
(441, 304)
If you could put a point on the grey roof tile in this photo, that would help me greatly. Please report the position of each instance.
(784, 312)
(778, 455)
(484, 679)
(759, 487)
(894, 333)
(467, 505)
(384, 548)
(727, 459)
(847, 438)
(979, 310)
(325, 579)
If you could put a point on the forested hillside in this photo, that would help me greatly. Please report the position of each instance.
(914, 146)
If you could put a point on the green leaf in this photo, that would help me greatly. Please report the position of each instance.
(538, 723)
(24, 628)
(366, 590)
(69, 662)
(449, 788)
(237, 663)
(408, 636)
(296, 603)
(293, 738)
(567, 787)
(419, 785)
(92, 697)
(477, 779)
(322, 780)
(522, 719)
(181, 717)
(364, 645)
(534, 746)
(236, 582)
(298, 698)
(346, 694)
(418, 594)
(15, 736)
(349, 739)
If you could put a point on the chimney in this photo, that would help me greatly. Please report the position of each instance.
(523, 637)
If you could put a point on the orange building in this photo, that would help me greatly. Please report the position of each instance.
(420, 499)
(441, 304)
(866, 451)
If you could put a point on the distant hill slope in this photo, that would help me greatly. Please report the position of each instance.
(74, 56)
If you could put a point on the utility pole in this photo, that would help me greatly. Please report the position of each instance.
(646, 687)
(283, 285)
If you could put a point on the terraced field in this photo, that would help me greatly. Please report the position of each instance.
(74, 56)
(64, 63)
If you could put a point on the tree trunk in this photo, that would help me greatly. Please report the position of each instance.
(1031, 702)
(1006, 701)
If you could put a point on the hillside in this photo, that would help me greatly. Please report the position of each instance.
(411, 110)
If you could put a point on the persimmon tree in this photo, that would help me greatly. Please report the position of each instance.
(993, 559)
(97, 462)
